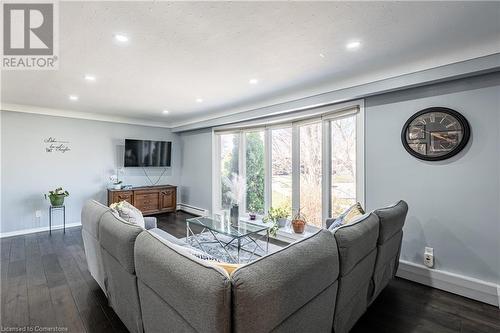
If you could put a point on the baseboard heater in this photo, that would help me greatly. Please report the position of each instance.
(192, 209)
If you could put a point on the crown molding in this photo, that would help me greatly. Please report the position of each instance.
(81, 115)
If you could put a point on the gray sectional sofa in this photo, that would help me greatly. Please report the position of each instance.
(323, 283)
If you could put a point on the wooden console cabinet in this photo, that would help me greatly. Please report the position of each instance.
(148, 199)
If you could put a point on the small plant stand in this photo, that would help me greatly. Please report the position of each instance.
(51, 209)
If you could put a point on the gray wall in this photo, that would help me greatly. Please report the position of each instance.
(27, 171)
(196, 166)
(454, 204)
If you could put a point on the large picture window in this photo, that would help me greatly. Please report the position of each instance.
(309, 164)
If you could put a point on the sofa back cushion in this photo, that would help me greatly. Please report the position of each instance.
(392, 219)
(117, 239)
(91, 215)
(291, 290)
(179, 292)
(357, 246)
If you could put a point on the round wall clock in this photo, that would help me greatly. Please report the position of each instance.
(435, 134)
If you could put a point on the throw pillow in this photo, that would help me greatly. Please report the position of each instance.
(128, 213)
(229, 268)
(348, 216)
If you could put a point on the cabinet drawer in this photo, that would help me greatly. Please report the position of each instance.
(147, 208)
(146, 199)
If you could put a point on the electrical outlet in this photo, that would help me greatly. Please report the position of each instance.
(38, 213)
(429, 257)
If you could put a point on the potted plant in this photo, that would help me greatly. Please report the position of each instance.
(57, 196)
(299, 223)
(236, 188)
(278, 218)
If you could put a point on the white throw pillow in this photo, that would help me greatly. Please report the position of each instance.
(129, 213)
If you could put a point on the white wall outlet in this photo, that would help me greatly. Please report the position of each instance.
(38, 213)
(429, 257)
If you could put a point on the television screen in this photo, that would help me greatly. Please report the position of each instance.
(145, 153)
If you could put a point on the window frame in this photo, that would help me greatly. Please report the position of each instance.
(323, 114)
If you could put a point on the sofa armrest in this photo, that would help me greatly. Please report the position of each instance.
(149, 222)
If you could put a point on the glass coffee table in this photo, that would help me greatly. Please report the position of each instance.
(243, 237)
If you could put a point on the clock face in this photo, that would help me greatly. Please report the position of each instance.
(435, 134)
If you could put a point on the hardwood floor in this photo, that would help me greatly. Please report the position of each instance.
(45, 282)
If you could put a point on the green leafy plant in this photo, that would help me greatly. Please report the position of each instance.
(57, 196)
(273, 216)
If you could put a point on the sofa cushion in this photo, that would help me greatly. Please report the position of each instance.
(357, 244)
(356, 240)
(276, 287)
(118, 238)
(91, 216)
(92, 212)
(178, 292)
(392, 219)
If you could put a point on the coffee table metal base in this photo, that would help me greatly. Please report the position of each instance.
(237, 242)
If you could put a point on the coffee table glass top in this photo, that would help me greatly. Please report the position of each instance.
(224, 227)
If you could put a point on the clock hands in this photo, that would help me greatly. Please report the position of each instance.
(440, 136)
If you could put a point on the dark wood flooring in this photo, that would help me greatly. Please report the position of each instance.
(45, 282)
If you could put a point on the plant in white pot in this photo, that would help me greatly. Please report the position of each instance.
(236, 186)
(115, 182)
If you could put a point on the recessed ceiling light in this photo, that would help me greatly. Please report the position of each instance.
(253, 81)
(199, 100)
(89, 77)
(166, 112)
(73, 97)
(353, 45)
(121, 38)
(321, 55)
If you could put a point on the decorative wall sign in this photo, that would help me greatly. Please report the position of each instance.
(435, 134)
(52, 145)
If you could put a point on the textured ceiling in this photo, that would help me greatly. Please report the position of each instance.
(181, 51)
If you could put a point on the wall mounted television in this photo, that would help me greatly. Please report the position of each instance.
(147, 153)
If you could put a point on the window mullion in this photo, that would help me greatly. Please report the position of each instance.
(326, 171)
(242, 168)
(267, 170)
(295, 167)
(360, 156)
(216, 174)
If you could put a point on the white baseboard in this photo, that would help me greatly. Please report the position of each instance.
(192, 209)
(476, 289)
(35, 230)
